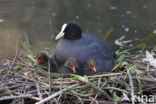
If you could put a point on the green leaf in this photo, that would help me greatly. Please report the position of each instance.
(115, 96)
(24, 46)
(80, 78)
(142, 45)
(27, 41)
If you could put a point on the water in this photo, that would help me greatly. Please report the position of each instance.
(41, 20)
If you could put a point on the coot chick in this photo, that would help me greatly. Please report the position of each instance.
(90, 67)
(83, 47)
(70, 66)
(42, 60)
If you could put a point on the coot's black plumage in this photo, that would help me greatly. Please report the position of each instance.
(83, 47)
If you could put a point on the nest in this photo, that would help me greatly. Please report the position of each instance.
(24, 83)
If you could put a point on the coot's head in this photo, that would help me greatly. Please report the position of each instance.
(41, 58)
(71, 63)
(70, 31)
(91, 64)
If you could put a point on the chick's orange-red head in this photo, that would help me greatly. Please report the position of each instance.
(41, 57)
(91, 64)
(71, 63)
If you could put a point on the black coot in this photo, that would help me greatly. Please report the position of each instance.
(83, 47)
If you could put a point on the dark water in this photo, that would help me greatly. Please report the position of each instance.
(41, 20)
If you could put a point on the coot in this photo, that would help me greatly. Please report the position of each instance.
(83, 47)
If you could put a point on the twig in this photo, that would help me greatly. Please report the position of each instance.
(34, 91)
(134, 77)
(38, 90)
(100, 91)
(15, 55)
(101, 102)
(93, 100)
(13, 59)
(45, 84)
(49, 73)
(31, 97)
(55, 94)
(132, 87)
(149, 88)
(85, 80)
(60, 93)
(59, 98)
(104, 75)
(117, 89)
(15, 97)
(79, 94)
(109, 32)
(79, 98)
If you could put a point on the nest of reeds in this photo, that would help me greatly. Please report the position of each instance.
(24, 83)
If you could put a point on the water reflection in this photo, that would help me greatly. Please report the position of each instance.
(41, 20)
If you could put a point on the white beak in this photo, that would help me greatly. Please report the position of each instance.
(61, 34)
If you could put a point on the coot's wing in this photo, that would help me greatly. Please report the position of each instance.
(102, 54)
